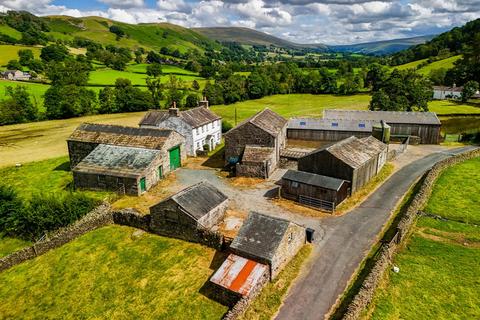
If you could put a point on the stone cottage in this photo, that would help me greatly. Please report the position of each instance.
(263, 134)
(88, 136)
(268, 240)
(16, 75)
(189, 214)
(201, 127)
(126, 170)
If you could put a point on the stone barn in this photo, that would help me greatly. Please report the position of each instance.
(351, 159)
(126, 170)
(378, 149)
(88, 136)
(256, 162)
(424, 125)
(189, 213)
(268, 240)
(314, 190)
(265, 129)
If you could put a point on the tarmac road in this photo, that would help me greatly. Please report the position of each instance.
(346, 241)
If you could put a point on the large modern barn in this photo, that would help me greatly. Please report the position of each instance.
(352, 159)
(265, 129)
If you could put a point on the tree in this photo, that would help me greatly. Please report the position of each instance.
(36, 65)
(106, 99)
(375, 76)
(214, 92)
(437, 76)
(67, 101)
(155, 87)
(117, 31)
(174, 92)
(71, 72)
(208, 72)
(25, 56)
(191, 101)
(469, 89)
(154, 70)
(18, 106)
(54, 52)
(195, 85)
(14, 65)
(129, 98)
(153, 57)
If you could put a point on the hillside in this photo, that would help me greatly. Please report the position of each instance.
(381, 47)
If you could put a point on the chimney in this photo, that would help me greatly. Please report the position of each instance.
(173, 111)
(203, 102)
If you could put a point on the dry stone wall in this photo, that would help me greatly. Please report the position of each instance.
(388, 251)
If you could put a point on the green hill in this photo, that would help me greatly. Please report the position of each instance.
(424, 67)
(381, 47)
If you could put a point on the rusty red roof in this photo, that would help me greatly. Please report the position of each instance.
(239, 274)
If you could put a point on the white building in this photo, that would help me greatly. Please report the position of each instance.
(201, 127)
(443, 92)
(16, 75)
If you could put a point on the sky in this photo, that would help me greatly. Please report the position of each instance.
(300, 21)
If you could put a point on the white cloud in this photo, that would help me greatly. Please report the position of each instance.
(123, 3)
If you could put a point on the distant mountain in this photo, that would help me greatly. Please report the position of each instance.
(381, 47)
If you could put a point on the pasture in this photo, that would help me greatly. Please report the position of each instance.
(9, 245)
(114, 272)
(9, 52)
(438, 275)
(452, 107)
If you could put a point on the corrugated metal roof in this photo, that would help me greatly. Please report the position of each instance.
(199, 199)
(195, 117)
(331, 124)
(266, 120)
(120, 135)
(314, 179)
(390, 117)
(117, 160)
(260, 235)
(257, 153)
(239, 274)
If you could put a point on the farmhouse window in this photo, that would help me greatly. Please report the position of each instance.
(334, 124)
(361, 125)
(294, 184)
(290, 237)
(303, 123)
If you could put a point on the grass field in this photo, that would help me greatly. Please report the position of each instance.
(166, 69)
(37, 90)
(9, 52)
(439, 268)
(116, 273)
(9, 245)
(452, 107)
(445, 63)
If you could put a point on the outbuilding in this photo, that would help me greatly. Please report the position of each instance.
(265, 129)
(351, 159)
(314, 190)
(190, 212)
(257, 162)
(121, 169)
(268, 240)
(88, 136)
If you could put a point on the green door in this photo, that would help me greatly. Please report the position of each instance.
(160, 172)
(175, 158)
(143, 185)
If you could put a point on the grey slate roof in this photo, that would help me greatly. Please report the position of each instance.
(254, 153)
(390, 117)
(194, 117)
(120, 135)
(374, 145)
(445, 88)
(330, 124)
(314, 179)
(260, 235)
(267, 120)
(117, 161)
(199, 199)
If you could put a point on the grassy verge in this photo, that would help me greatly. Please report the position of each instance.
(452, 107)
(113, 272)
(9, 245)
(361, 194)
(266, 305)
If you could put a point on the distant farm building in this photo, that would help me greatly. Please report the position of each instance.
(327, 129)
(16, 75)
(268, 240)
(188, 213)
(424, 125)
(314, 190)
(261, 135)
(354, 160)
(201, 127)
(444, 92)
(123, 169)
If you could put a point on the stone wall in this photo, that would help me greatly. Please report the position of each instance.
(388, 251)
(251, 170)
(96, 218)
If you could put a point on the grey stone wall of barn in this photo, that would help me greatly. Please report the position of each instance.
(78, 150)
(292, 242)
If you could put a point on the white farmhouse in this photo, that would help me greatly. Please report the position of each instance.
(16, 75)
(200, 126)
(443, 92)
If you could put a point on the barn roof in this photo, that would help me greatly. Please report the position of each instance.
(117, 161)
(374, 145)
(260, 235)
(314, 179)
(253, 153)
(195, 117)
(267, 120)
(390, 117)
(352, 151)
(199, 199)
(122, 136)
(445, 88)
(239, 274)
(330, 124)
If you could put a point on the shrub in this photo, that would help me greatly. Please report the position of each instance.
(226, 126)
(10, 206)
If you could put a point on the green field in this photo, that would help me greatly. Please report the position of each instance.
(445, 64)
(37, 90)
(9, 245)
(9, 31)
(9, 52)
(439, 268)
(166, 69)
(452, 107)
(292, 105)
(116, 273)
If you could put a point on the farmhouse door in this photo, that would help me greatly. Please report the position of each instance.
(175, 158)
(143, 185)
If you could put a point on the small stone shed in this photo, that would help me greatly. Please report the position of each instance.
(354, 160)
(190, 213)
(264, 129)
(314, 190)
(257, 162)
(122, 169)
(268, 240)
(88, 136)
